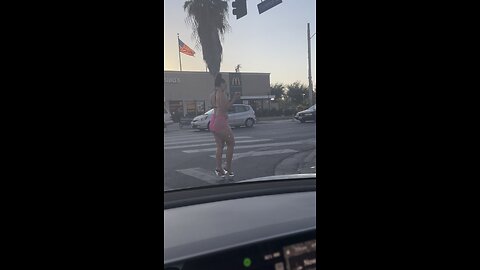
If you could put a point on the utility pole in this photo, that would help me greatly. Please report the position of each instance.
(310, 85)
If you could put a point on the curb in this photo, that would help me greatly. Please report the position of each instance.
(273, 118)
(175, 127)
(274, 121)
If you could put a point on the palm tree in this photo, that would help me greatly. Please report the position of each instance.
(208, 19)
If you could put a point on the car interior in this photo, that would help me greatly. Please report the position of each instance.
(263, 216)
(255, 224)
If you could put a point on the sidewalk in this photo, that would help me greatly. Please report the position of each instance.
(273, 118)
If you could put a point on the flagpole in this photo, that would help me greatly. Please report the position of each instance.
(179, 56)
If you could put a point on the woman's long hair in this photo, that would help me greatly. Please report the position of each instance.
(218, 82)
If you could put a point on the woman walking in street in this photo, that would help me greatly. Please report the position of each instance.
(219, 126)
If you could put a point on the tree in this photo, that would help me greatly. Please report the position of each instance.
(278, 90)
(297, 93)
(208, 19)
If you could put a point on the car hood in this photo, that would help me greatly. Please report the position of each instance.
(282, 177)
(267, 178)
(200, 116)
(307, 111)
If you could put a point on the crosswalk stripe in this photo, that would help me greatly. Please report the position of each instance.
(207, 144)
(210, 139)
(201, 174)
(260, 153)
(184, 137)
(244, 146)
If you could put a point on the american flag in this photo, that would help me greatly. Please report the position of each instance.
(185, 49)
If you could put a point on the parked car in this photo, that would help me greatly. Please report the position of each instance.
(238, 115)
(167, 117)
(309, 114)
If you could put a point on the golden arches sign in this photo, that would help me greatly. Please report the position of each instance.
(235, 84)
(236, 81)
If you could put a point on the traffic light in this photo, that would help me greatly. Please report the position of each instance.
(239, 8)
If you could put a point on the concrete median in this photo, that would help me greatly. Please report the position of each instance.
(303, 162)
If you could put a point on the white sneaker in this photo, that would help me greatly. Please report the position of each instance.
(220, 173)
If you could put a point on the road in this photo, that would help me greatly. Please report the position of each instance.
(269, 148)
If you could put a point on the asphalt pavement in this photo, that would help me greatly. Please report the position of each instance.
(269, 148)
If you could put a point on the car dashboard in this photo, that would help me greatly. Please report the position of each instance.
(243, 227)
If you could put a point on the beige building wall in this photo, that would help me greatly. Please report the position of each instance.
(189, 86)
(256, 84)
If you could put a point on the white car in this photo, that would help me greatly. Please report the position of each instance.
(238, 115)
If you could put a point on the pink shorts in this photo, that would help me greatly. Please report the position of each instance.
(218, 123)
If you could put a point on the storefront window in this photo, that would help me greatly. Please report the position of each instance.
(200, 107)
(176, 106)
(191, 108)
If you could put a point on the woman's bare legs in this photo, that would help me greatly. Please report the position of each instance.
(220, 143)
(230, 140)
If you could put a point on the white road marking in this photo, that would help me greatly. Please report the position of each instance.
(245, 146)
(260, 153)
(186, 137)
(202, 174)
(207, 144)
(209, 139)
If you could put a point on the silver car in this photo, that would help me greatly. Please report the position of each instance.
(238, 115)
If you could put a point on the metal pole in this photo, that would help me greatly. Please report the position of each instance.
(310, 86)
(179, 57)
(269, 102)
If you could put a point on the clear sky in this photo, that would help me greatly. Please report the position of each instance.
(274, 41)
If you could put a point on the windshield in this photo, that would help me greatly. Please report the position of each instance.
(216, 57)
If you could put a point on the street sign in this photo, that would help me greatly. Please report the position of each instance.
(266, 5)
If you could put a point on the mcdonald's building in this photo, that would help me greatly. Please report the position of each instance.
(188, 92)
